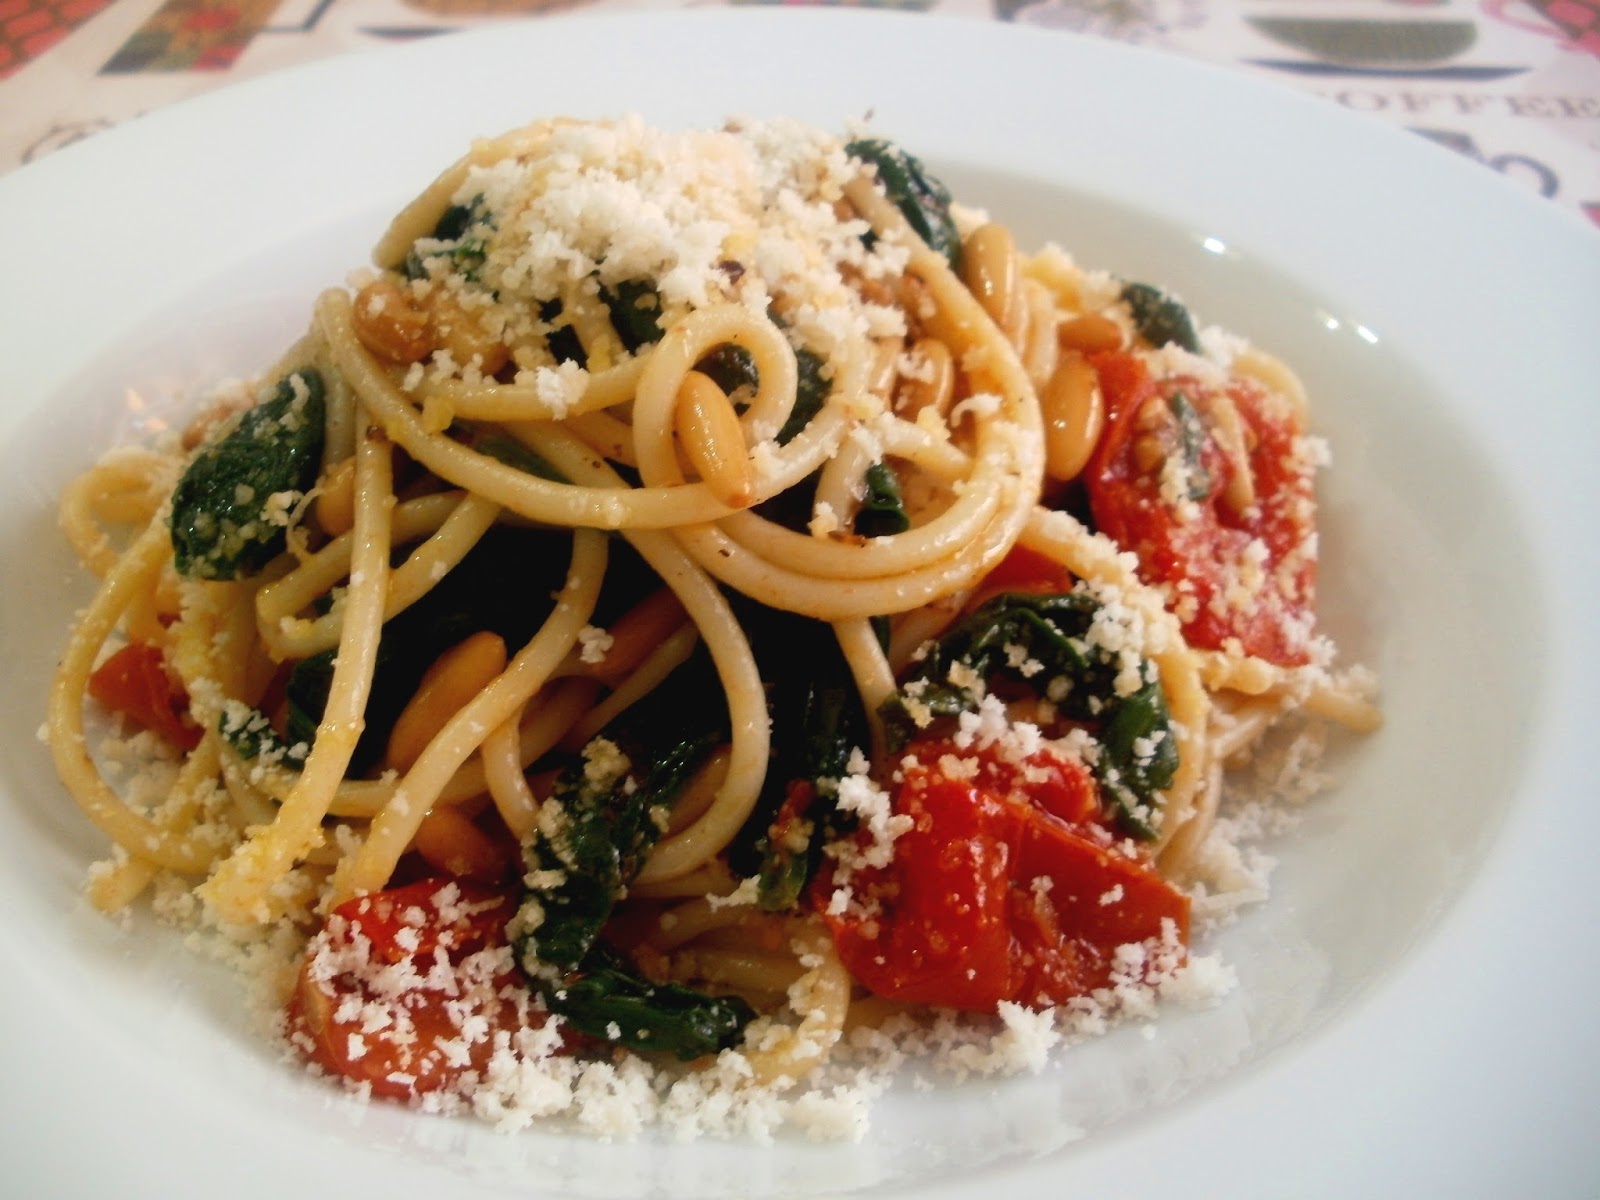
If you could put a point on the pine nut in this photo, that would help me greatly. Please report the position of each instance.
(635, 634)
(449, 840)
(714, 441)
(1074, 417)
(1148, 453)
(989, 269)
(1091, 333)
(455, 677)
(388, 322)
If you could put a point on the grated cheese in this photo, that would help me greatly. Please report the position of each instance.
(603, 205)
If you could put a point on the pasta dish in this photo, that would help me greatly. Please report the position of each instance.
(701, 600)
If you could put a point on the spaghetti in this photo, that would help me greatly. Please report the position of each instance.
(700, 593)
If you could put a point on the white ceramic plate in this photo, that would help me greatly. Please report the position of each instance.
(1414, 1016)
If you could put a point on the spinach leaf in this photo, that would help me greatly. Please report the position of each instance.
(461, 239)
(811, 393)
(1159, 318)
(791, 849)
(883, 509)
(635, 316)
(252, 736)
(806, 814)
(562, 339)
(730, 367)
(807, 817)
(924, 201)
(1139, 754)
(606, 1000)
(635, 313)
(817, 720)
(575, 874)
(1131, 773)
(507, 449)
(306, 697)
(221, 528)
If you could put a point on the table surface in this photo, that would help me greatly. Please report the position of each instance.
(1513, 84)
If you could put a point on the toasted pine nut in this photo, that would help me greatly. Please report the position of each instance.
(934, 384)
(389, 322)
(336, 502)
(1090, 334)
(1149, 452)
(1153, 416)
(989, 269)
(714, 441)
(635, 634)
(455, 677)
(1074, 417)
(449, 840)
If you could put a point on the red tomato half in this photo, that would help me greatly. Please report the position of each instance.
(1249, 576)
(404, 990)
(1000, 889)
(135, 682)
(1022, 570)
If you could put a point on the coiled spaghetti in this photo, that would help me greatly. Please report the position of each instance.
(676, 388)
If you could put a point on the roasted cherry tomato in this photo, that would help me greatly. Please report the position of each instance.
(135, 682)
(405, 990)
(1023, 570)
(1002, 888)
(1219, 511)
